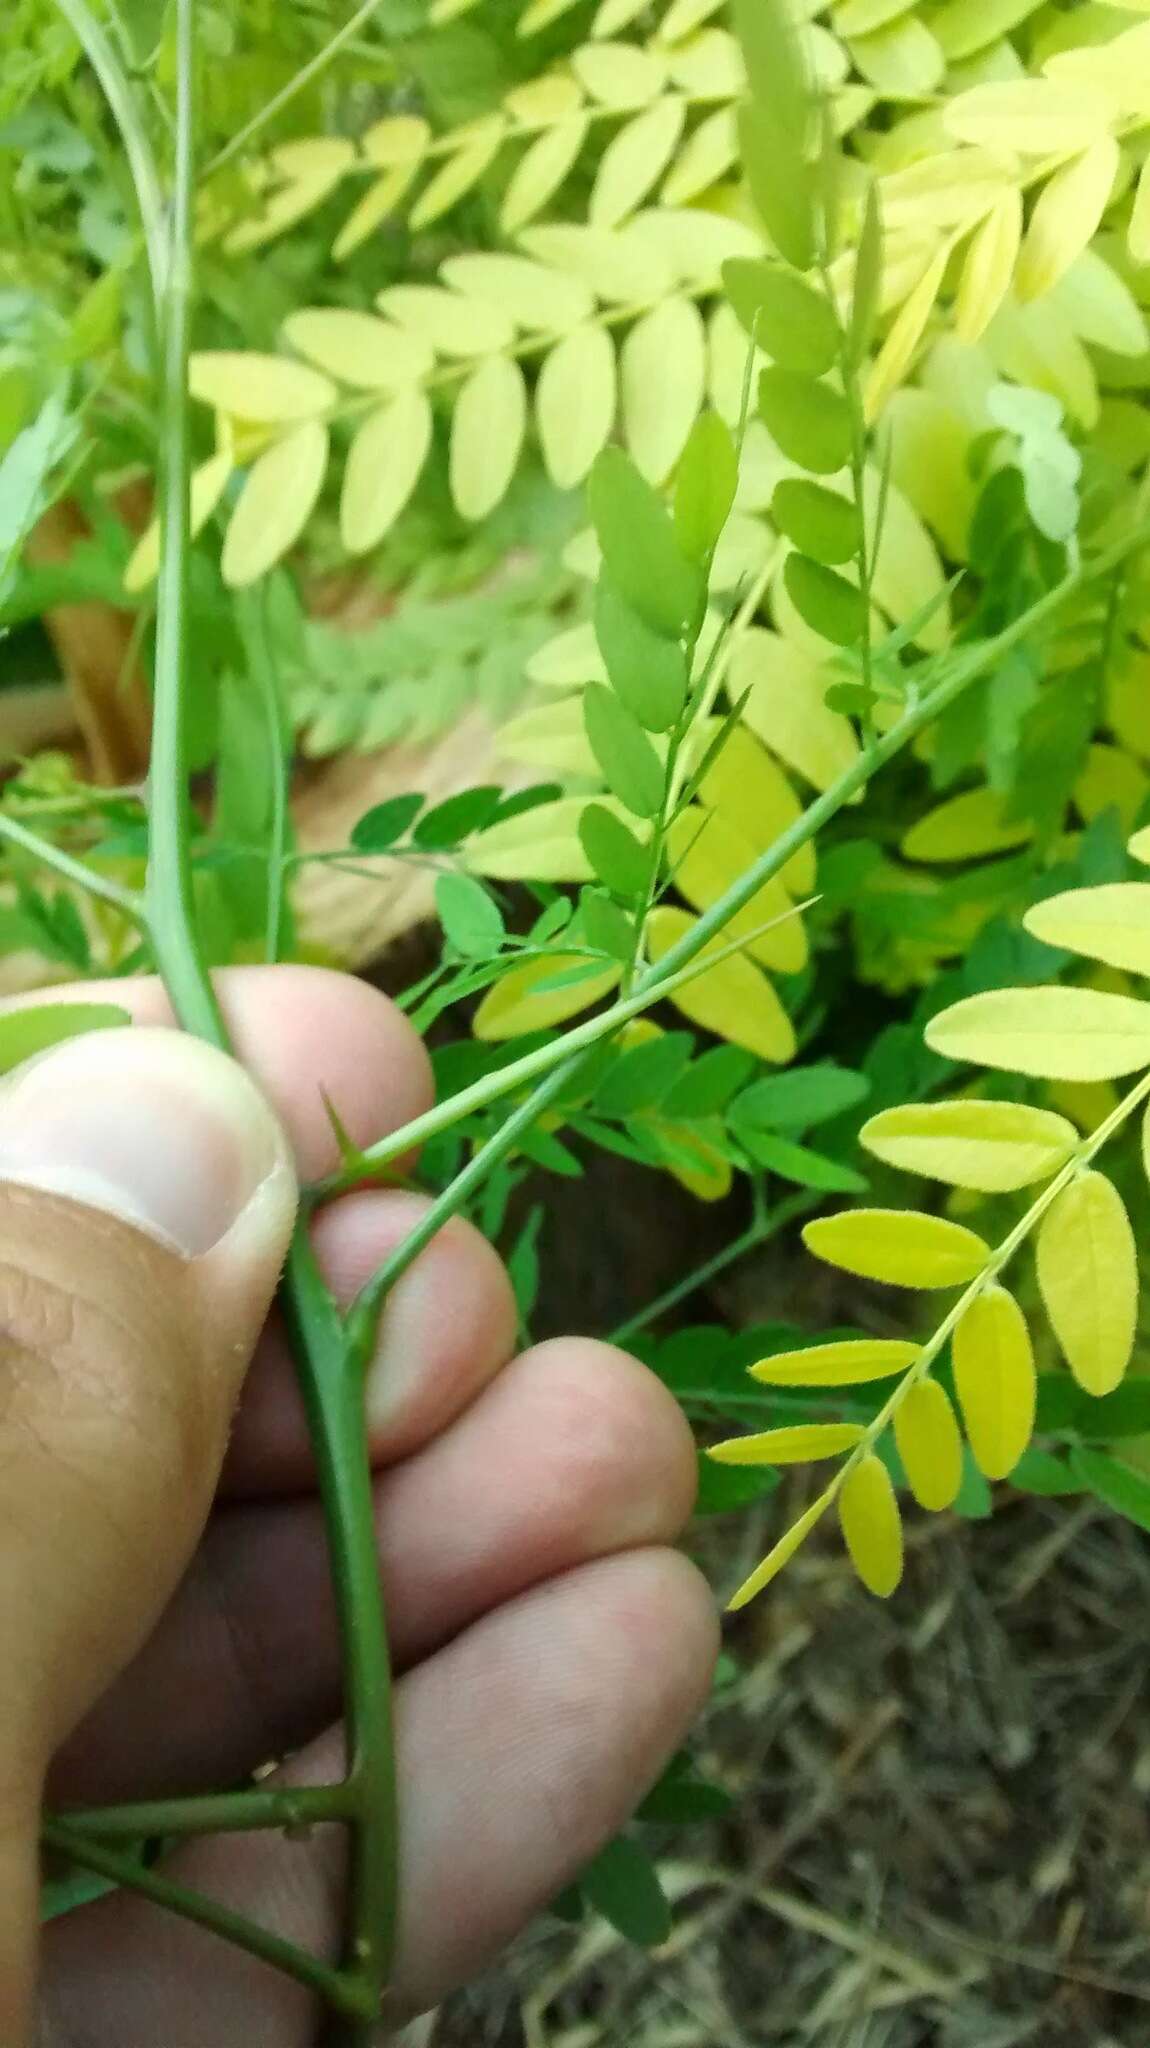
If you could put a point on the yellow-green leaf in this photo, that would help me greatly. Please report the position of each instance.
(276, 502)
(663, 381)
(964, 27)
(516, 1004)
(397, 139)
(991, 1146)
(1065, 217)
(544, 101)
(268, 389)
(575, 403)
(209, 482)
(384, 461)
(822, 523)
(540, 300)
(1138, 233)
(708, 854)
(1030, 116)
(619, 265)
(1110, 923)
(781, 1554)
(633, 160)
(540, 845)
(929, 1445)
(705, 158)
(1056, 1034)
(806, 419)
(540, 172)
(1110, 779)
(459, 173)
(896, 354)
(447, 322)
(995, 1380)
(487, 435)
(787, 707)
(988, 267)
(1088, 1278)
(370, 354)
(852, 1363)
(966, 827)
(825, 601)
(733, 998)
(1138, 846)
(871, 1526)
(378, 203)
(798, 1444)
(898, 1246)
(751, 792)
(620, 75)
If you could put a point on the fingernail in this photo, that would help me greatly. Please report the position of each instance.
(148, 1125)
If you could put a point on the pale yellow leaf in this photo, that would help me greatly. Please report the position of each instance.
(612, 15)
(1110, 922)
(446, 321)
(728, 351)
(898, 1246)
(516, 1004)
(575, 403)
(950, 189)
(929, 442)
(536, 298)
(749, 790)
(863, 17)
(370, 354)
(618, 265)
(459, 173)
(312, 156)
(541, 845)
(1056, 1034)
(287, 202)
(1110, 780)
(269, 389)
(663, 380)
(551, 737)
(1100, 306)
(871, 1526)
(781, 1554)
(1036, 345)
(901, 61)
(544, 102)
(275, 504)
(799, 1443)
(707, 157)
(1088, 1278)
(487, 435)
(988, 267)
(906, 573)
(684, 16)
(1065, 217)
(1033, 117)
(1138, 233)
(540, 172)
(708, 855)
(568, 659)
(620, 75)
(708, 66)
(991, 1146)
(209, 482)
(633, 160)
(695, 242)
(378, 204)
(927, 1438)
(907, 329)
(995, 1380)
(964, 27)
(966, 827)
(400, 139)
(787, 709)
(1139, 846)
(733, 998)
(384, 462)
(853, 1363)
(540, 14)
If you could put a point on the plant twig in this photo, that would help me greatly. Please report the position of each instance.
(764, 1226)
(128, 901)
(117, 90)
(212, 1813)
(303, 78)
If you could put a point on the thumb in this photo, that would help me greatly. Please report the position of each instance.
(146, 1199)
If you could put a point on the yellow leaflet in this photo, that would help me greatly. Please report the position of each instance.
(706, 158)
(552, 737)
(209, 482)
(540, 300)
(618, 265)
(683, 16)
(709, 1176)
(906, 574)
(708, 67)
(929, 1445)
(1110, 779)
(1088, 1278)
(568, 659)
(447, 322)
(708, 854)
(1036, 345)
(400, 139)
(894, 357)
(544, 102)
(1056, 1034)
(575, 403)
(1101, 308)
(1065, 217)
(966, 827)
(901, 61)
(782, 1553)
(540, 172)
(633, 160)
(620, 75)
(732, 999)
(1139, 846)
(288, 203)
(1030, 116)
(863, 17)
(898, 1246)
(1110, 923)
(1086, 1103)
(995, 1380)
(275, 504)
(1138, 233)
(952, 189)
(542, 845)
(486, 436)
(964, 27)
(614, 15)
(992, 1146)
(369, 354)
(383, 467)
(694, 242)
(787, 709)
(460, 173)
(663, 381)
(752, 794)
(378, 203)
(849, 1364)
(988, 267)
(929, 440)
(257, 387)
(795, 1445)
(516, 1003)
(871, 1526)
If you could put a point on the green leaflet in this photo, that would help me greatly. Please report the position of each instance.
(641, 553)
(791, 320)
(613, 851)
(820, 522)
(825, 600)
(646, 670)
(705, 486)
(810, 422)
(631, 768)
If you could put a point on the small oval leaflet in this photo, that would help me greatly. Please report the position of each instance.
(631, 768)
(791, 321)
(1088, 1278)
(850, 1363)
(615, 855)
(639, 547)
(780, 1555)
(825, 601)
(796, 1444)
(995, 1380)
(732, 998)
(1056, 1034)
(898, 1246)
(929, 1444)
(265, 388)
(991, 1146)
(647, 671)
(517, 1004)
(1110, 923)
(820, 522)
(810, 422)
(871, 1526)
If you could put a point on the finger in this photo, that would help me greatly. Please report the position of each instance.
(304, 1033)
(146, 1199)
(574, 1452)
(522, 1748)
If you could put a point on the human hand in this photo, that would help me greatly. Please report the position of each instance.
(167, 1629)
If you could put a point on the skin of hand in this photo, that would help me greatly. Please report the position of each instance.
(165, 1612)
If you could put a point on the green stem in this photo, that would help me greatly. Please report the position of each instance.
(117, 91)
(303, 78)
(213, 1813)
(759, 1231)
(75, 871)
(251, 611)
(343, 1993)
